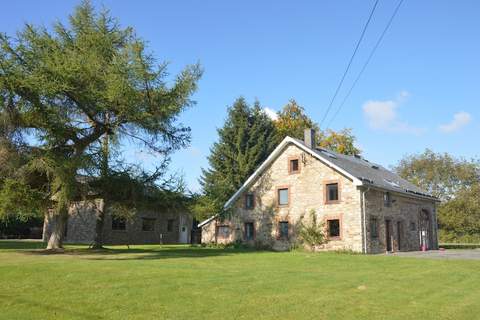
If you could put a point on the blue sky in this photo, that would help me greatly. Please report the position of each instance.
(421, 89)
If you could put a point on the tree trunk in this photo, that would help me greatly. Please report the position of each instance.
(104, 174)
(99, 223)
(55, 241)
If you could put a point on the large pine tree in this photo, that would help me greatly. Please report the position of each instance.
(64, 91)
(245, 141)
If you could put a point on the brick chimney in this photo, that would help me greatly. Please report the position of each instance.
(309, 138)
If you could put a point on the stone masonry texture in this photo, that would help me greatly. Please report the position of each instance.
(82, 219)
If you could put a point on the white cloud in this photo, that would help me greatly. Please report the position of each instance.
(382, 115)
(460, 120)
(272, 114)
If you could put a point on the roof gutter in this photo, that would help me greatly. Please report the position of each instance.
(404, 193)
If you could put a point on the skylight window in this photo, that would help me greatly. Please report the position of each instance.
(331, 155)
(392, 183)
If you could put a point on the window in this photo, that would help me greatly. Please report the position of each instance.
(413, 227)
(148, 224)
(387, 199)
(293, 165)
(283, 230)
(374, 227)
(223, 232)
(283, 197)
(249, 231)
(332, 192)
(118, 223)
(170, 225)
(333, 228)
(249, 201)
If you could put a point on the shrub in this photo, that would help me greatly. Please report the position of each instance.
(312, 232)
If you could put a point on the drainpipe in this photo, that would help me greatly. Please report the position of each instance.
(364, 218)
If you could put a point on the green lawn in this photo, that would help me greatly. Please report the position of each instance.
(180, 282)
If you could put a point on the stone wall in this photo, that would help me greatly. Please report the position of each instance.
(80, 227)
(307, 194)
(82, 220)
(133, 234)
(407, 219)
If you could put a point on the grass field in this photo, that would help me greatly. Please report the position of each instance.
(180, 282)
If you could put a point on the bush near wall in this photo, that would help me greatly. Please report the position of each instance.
(452, 237)
(13, 227)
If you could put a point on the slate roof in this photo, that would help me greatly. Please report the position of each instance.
(371, 174)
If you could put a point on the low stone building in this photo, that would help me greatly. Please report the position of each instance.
(145, 227)
(364, 207)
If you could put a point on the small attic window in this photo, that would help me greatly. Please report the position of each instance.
(374, 166)
(293, 165)
(331, 155)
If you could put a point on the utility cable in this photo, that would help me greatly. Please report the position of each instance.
(366, 62)
(350, 62)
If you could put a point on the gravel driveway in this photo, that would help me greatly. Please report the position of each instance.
(468, 254)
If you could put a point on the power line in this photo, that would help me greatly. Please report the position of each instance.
(366, 62)
(350, 62)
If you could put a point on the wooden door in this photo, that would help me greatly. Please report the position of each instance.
(399, 235)
(388, 235)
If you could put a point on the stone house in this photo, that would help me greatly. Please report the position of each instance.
(363, 206)
(145, 226)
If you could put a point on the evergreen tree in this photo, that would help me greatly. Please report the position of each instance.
(64, 90)
(245, 141)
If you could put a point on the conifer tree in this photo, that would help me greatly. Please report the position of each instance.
(245, 140)
(64, 90)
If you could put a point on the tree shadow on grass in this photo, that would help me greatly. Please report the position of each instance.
(162, 253)
(21, 245)
(147, 252)
(135, 252)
